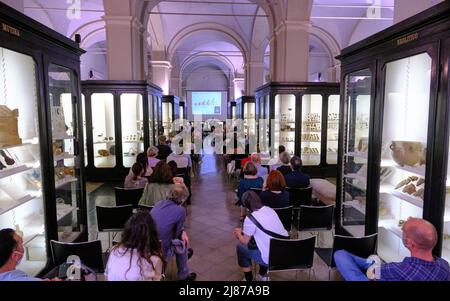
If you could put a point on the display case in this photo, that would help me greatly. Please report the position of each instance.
(170, 112)
(121, 120)
(304, 118)
(246, 111)
(395, 116)
(42, 191)
(183, 111)
(231, 110)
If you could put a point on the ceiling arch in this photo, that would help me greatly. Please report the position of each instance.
(208, 58)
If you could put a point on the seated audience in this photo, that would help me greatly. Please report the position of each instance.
(250, 180)
(275, 162)
(173, 166)
(296, 178)
(138, 256)
(169, 216)
(274, 194)
(419, 237)
(159, 185)
(142, 158)
(183, 160)
(164, 150)
(285, 167)
(152, 153)
(262, 171)
(134, 178)
(246, 252)
(11, 254)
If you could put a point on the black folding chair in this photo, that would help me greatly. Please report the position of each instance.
(288, 255)
(112, 219)
(298, 197)
(145, 207)
(90, 253)
(285, 215)
(315, 219)
(359, 246)
(127, 196)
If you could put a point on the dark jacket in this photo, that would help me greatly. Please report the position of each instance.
(275, 200)
(297, 179)
(163, 151)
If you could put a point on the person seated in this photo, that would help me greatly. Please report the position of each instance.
(285, 167)
(296, 178)
(142, 158)
(274, 194)
(164, 150)
(134, 178)
(249, 181)
(138, 256)
(173, 166)
(183, 160)
(268, 219)
(169, 216)
(256, 159)
(419, 237)
(159, 185)
(152, 153)
(11, 254)
(275, 162)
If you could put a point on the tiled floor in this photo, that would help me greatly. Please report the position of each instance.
(210, 223)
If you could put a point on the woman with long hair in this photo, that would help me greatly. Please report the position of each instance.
(142, 158)
(138, 256)
(135, 178)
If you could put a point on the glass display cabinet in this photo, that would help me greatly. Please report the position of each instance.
(395, 116)
(121, 120)
(170, 112)
(183, 112)
(42, 191)
(246, 111)
(231, 110)
(304, 118)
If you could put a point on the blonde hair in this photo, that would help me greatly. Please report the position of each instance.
(152, 151)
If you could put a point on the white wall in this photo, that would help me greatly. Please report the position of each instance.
(407, 8)
(95, 62)
(318, 64)
(366, 28)
(207, 78)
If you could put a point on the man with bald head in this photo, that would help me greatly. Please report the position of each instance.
(419, 237)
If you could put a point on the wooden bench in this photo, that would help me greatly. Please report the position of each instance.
(325, 191)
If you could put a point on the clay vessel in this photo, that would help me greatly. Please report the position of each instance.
(407, 152)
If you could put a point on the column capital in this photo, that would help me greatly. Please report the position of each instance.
(123, 21)
(291, 26)
(161, 64)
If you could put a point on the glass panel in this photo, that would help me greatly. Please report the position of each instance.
(403, 154)
(151, 117)
(66, 165)
(167, 114)
(356, 145)
(333, 128)
(83, 110)
(181, 112)
(103, 130)
(249, 118)
(284, 128)
(311, 129)
(156, 101)
(233, 112)
(21, 202)
(131, 106)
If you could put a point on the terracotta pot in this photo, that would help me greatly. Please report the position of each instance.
(407, 152)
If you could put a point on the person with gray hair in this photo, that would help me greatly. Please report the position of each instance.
(169, 216)
(419, 237)
(285, 167)
(152, 153)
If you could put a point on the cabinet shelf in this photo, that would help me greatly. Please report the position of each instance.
(67, 137)
(64, 181)
(63, 156)
(16, 203)
(105, 142)
(418, 170)
(16, 145)
(356, 177)
(12, 171)
(63, 212)
(362, 155)
(132, 141)
(391, 225)
(356, 205)
(418, 202)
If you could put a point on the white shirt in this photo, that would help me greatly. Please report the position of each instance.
(269, 219)
(182, 161)
(118, 265)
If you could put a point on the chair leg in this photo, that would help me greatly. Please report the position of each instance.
(309, 274)
(329, 274)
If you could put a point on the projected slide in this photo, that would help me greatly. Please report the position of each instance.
(207, 103)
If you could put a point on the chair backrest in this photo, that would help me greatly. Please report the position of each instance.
(359, 246)
(256, 189)
(90, 253)
(285, 254)
(113, 218)
(300, 196)
(146, 207)
(126, 196)
(315, 218)
(285, 215)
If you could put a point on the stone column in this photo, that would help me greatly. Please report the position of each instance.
(238, 87)
(175, 86)
(254, 72)
(161, 74)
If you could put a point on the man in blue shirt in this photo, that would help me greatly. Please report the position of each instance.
(419, 237)
(11, 254)
(169, 217)
(296, 178)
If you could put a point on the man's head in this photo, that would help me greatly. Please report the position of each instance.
(162, 139)
(419, 235)
(296, 163)
(178, 194)
(281, 149)
(11, 248)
